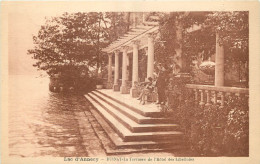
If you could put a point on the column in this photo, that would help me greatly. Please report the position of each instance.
(150, 60)
(123, 88)
(179, 58)
(109, 78)
(116, 73)
(127, 67)
(133, 90)
(219, 63)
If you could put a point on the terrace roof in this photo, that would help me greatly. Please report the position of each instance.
(136, 33)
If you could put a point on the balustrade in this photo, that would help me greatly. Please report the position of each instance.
(215, 95)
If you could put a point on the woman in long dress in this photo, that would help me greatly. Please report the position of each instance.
(161, 84)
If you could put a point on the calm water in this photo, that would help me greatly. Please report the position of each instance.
(42, 123)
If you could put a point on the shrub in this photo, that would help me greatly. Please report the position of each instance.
(72, 76)
(215, 131)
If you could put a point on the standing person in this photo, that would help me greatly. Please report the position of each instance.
(161, 84)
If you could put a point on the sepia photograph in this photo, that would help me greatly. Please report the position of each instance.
(125, 85)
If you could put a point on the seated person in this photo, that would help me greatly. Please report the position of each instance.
(149, 87)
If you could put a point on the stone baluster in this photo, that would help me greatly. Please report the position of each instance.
(208, 97)
(214, 97)
(201, 97)
(222, 96)
(196, 95)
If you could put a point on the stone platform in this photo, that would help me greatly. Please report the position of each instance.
(133, 126)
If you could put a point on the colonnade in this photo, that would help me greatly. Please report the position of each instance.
(135, 44)
(219, 65)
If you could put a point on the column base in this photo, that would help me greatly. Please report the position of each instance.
(134, 92)
(124, 90)
(116, 87)
(109, 85)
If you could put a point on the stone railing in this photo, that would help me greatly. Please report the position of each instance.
(208, 94)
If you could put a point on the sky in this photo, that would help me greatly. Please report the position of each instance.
(21, 28)
(22, 25)
(24, 21)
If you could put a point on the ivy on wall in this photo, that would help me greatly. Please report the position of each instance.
(232, 27)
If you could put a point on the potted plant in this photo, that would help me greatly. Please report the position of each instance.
(208, 67)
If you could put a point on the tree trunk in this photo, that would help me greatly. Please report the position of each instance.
(128, 21)
(98, 53)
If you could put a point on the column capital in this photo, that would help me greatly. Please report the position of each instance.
(110, 55)
(125, 48)
(136, 42)
(151, 35)
(117, 51)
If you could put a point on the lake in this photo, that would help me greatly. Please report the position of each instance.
(42, 123)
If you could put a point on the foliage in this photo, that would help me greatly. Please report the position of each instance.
(170, 40)
(142, 64)
(72, 77)
(231, 26)
(98, 81)
(76, 38)
(71, 39)
(236, 140)
(165, 45)
(215, 131)
(119, 24)
(209, 130)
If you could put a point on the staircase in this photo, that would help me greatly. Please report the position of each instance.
(132, 126)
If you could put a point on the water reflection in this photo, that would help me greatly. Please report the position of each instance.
(42, 123)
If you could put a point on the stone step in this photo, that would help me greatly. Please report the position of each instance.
(148, 110)
(122, 147)
(127, 135)
(131, 113)
(129, 123)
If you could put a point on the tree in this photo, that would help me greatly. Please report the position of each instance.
(119, 24)
(233, 29)
(70, 40)
(231, 26)
(172, 30)
(77, 39)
